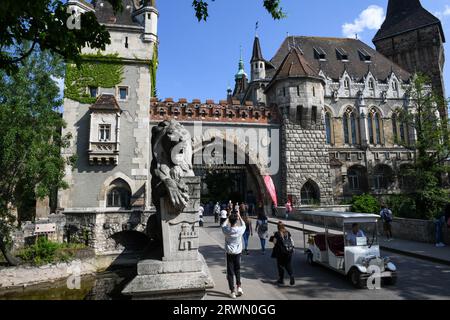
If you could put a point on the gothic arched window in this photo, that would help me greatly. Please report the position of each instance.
(399, 129)
(328, 127)
(119, 195)
(350, 127)
(310, 193)
(374, 124)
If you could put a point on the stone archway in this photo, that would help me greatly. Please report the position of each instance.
(252, 164)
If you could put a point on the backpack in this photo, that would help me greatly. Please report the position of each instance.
(287, 246)
(264, 226)
(386, 215)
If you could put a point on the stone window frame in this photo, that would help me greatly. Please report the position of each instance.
(104, 129)
(350, 127)
(330, 127)
(118, 88)
(347, 83)
(89, 92)
(399, 129)
(380, 179)
(310, 193)
(375, 127)
(118, 194)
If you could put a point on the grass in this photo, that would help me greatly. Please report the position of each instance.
(45, 252)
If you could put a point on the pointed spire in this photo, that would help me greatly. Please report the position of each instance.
(241, 70)
(257, 52)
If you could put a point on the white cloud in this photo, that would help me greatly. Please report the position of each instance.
(444, 13)
(371, 18)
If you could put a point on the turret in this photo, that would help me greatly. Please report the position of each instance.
(258, 64)
(147, 15)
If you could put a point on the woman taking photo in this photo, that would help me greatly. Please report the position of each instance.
(282, 251)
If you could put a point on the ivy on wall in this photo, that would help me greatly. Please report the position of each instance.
(96, 70)
(153, 70)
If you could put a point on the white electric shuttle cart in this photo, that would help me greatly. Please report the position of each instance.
(347, 243)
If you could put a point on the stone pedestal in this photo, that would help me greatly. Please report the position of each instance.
(182, 273)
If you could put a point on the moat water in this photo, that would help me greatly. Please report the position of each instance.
(106, 285)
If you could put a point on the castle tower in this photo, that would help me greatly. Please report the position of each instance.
(108, 116)
(258, 64)
(413, 38)
(298, 91)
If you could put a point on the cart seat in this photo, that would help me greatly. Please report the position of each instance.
(336, 245)
(319, 240)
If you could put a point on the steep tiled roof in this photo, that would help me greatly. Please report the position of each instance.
(105, 13)
(106, 102)
(333, 65)
(403, 16)
(294, 65)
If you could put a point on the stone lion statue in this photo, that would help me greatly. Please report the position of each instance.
(172, 160)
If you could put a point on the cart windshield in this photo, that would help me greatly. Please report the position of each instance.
(360, 234)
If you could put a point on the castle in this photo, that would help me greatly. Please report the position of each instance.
(334, 103)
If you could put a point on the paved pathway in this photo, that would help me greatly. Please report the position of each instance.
(418, 278)
(415, 249)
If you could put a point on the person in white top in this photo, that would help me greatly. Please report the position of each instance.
(201, 210)
(223, 216)
(233, 229)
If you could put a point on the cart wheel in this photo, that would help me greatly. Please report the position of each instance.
(310, 259)
(391, 281)
(355, 278)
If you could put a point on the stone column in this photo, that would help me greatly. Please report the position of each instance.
(363, 128)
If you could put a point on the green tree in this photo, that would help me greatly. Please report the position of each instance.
(431, 146)
(43, 23)
(30, 138)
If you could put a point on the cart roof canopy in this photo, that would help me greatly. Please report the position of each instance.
(348, 217)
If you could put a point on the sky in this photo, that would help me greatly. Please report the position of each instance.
(200, 59)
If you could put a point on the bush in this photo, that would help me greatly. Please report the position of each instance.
(365, 204)
(45, 251)
(403, 207)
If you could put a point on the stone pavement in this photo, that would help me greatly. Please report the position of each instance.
(255, 287)
(415, 249)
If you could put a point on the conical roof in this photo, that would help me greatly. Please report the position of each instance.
(257, 52)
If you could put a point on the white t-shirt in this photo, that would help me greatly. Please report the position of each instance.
(200, 211)
(223, 214)
(233, 237)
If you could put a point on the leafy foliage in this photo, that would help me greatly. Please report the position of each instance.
(403, 206)
(365, 203)
(45, 251)
(272, 6)
(432, 148)
(43, 24)
(31, 139)
(105, 71)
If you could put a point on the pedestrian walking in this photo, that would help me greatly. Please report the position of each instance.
(233, 229)
(248, 232)
(216, 212)
(223, 216)
(243, 209)
(288, 209)
(201, 210)
(274, 210)
(262, 228)
(387, 217)
(282, 251)
(440, 222)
